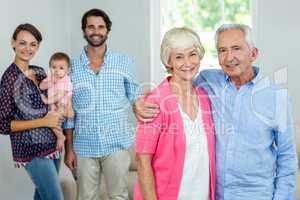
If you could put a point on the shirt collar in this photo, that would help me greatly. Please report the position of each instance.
(257, 76)
(84, 57)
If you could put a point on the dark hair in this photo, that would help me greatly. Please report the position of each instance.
(60, 56)
(96, 13)
(31, 29)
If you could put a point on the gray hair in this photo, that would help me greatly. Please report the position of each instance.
(244, 28)
(179, 38)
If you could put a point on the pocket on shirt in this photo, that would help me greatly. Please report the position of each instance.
(113, 84)
(82, 99)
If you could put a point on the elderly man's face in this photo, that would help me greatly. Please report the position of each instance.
(235, 55)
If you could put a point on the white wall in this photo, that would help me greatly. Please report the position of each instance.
(60, 23)
(277, 28)
(129, 33)
(49, 18)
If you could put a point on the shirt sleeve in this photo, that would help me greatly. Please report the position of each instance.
(132, 88)
(199, 80)
(68, 123)
(40, 73)
(147, 134)
(46, 81)
(286, 149)
(40, 76)
(6, 103)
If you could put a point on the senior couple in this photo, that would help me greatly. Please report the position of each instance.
(223, 134)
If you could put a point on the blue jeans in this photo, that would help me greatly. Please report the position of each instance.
(44, 175)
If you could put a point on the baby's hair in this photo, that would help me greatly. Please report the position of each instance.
(60, 56)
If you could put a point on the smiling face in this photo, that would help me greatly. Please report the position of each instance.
(25, 46)
(184, 63)
(235, 55)
(59, 68)
(96, 32)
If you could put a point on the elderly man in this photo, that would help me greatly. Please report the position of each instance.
(255, 150)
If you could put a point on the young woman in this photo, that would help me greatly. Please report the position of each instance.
(175, 152)
(26, 119)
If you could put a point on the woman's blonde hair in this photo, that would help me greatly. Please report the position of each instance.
(179, 38)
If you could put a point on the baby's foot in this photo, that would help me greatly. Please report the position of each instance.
(60, 142)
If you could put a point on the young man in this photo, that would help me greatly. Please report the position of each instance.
(255, 151)
(103, 87)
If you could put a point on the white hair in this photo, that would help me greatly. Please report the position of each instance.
(179, 38)
(244, 28)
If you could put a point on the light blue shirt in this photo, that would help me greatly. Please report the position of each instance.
(101, 102)
(255, 151)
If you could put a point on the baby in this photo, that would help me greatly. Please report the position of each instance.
(59, 88)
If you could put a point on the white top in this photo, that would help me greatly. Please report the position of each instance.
(195, 178)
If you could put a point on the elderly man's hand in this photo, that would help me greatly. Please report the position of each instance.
(145, 111)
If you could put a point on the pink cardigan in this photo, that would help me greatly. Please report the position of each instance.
(165, 139)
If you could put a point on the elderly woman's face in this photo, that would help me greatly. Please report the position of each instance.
(184, 63)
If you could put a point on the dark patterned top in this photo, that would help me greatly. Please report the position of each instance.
(20, 99)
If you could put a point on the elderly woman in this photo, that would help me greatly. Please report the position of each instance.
(175, 152)
(25, 118)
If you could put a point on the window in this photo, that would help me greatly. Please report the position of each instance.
(205, 17)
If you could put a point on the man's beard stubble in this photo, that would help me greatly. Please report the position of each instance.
(93, 44)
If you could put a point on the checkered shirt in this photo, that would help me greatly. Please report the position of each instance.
(101, 103)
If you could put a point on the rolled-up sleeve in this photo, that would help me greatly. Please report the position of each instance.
(69, 123)
(147, 134)
(132, 88)
(6, 104)
(286, 152)
(40, 73)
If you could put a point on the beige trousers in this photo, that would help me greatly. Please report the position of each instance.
(115, 169)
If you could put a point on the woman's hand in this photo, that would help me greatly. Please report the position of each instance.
(53, 119)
